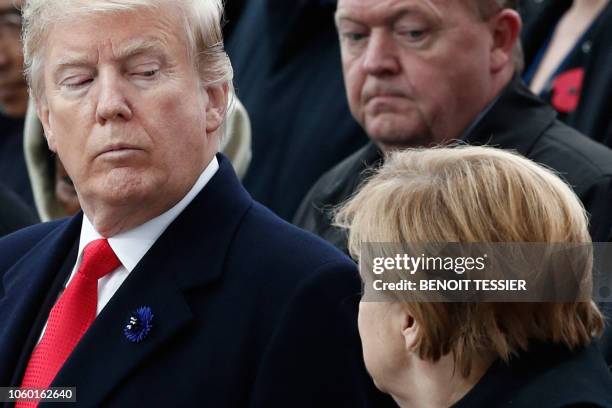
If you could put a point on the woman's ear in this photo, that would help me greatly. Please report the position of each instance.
(410, 330)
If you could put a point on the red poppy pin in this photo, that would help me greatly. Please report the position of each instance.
(566, 89)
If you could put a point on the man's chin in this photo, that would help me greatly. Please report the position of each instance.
(397, 132)
(396, 141)
(121, 199)
(122, 188)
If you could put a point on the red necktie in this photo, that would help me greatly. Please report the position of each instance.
(70, 317)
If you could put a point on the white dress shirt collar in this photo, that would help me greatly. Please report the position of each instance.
(131, 246)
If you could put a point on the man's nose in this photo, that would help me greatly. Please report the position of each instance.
(381, 56)
(112, 102)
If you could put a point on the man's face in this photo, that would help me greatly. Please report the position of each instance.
(125, 111)
(417, 72)
(13, 88)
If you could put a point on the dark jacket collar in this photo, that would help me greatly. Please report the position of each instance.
(548, 374)
(344, 179)
(512, 121)
(25, 289)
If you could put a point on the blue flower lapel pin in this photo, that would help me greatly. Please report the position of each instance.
(139, 325)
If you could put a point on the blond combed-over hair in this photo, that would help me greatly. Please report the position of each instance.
(474, 194)
(202, 21)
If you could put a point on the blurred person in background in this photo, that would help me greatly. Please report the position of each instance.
(13, 103)
(428, 354)
(14, 213)
(568, 56)
(231, 14)
(420, 73)
(287, 73)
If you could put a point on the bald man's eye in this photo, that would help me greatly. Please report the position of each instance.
(352, 38)
(415, 35)
(414, 38)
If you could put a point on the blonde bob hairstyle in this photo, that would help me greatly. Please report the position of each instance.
(474, 194)
(201, 19)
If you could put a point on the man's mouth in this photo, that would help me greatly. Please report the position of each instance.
(383, 94)
(383, 97)
(119, 149)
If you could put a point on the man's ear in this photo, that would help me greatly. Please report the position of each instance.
(506, 29)
(410, 330)
(217, 105)
(42, 110)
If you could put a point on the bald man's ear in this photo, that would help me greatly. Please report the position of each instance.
(42, 110)
(506, 29)
(217, 105)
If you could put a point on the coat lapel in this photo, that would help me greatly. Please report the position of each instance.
(37, 325)
(104, 356)
(190, 253)
(27, 286)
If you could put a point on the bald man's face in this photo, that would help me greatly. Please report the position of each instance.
(13, 88)
(416, 72)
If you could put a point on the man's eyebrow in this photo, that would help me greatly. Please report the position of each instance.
(132, 50)
(70, 62)
(342, 15)
(153, 46)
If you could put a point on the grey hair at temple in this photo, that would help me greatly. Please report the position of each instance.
(486, 9)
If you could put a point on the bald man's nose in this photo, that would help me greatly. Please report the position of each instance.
(381, 55)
